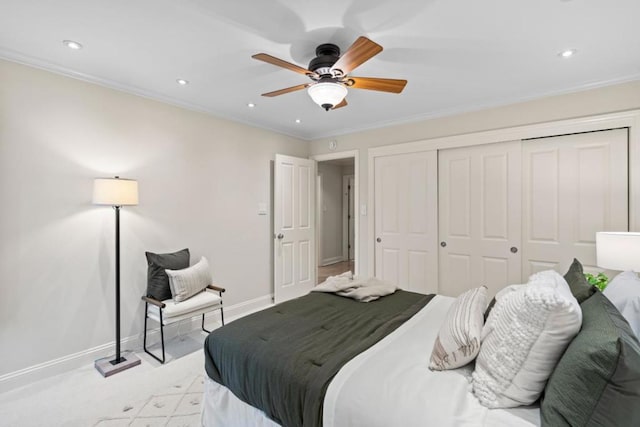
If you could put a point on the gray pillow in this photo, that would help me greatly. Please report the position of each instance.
(580, 287)
(597, 380)
(157, 279)
(489, 308)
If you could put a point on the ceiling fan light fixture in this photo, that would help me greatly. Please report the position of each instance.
(327, 94)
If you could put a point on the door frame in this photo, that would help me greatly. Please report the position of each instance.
(626, 119)
(356, 197)
(347, 196)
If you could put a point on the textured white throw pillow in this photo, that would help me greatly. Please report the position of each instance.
(458, 341)
(192, 280)
(524, 337)
(624, 293)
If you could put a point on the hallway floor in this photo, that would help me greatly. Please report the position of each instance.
(334, 270)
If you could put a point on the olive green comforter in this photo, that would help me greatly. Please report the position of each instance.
(281, 360)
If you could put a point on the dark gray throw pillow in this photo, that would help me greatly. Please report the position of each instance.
(489, 308)
(597, 380)
(580, 287)
(157, 280)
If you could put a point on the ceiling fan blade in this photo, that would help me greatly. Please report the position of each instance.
(287, 90)
(342, 104)
(383, 85)
(359, 52)
(281, 63)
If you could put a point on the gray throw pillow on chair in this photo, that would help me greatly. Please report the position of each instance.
(157, 279)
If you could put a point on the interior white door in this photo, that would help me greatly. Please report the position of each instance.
(406, 223)
(294, 227)
(479, 218)
(575, 185)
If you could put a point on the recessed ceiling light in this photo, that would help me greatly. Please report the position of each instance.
(182, 82)
(567, 53)
(72, 45)
(251, 105)
(298, 121)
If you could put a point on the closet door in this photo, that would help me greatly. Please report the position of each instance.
(406, 220)
(479, 217)
(575, 185)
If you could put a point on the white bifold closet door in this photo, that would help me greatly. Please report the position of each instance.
(575, 185)
(479, 217)
(406, 223)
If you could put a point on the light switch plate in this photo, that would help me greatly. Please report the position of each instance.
(363, 210)
(333, 145)
(262, 208)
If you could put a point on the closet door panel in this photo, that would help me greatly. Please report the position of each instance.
(479, 202)
(406, 220)
(577, 185)
(541, 208)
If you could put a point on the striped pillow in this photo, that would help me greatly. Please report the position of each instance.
(190, 281)
(458, 341)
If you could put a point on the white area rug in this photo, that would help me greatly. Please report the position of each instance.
(176, 406)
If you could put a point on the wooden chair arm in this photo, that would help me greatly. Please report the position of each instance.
(216, 288)
(153, 301)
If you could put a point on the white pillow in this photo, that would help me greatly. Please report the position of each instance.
(187, 282)
(524, 337)
(458, 341)
(624, 292)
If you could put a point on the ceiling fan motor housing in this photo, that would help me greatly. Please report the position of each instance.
(327, 54)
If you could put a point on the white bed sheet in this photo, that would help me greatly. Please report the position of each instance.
(388, 385)
(391, 385)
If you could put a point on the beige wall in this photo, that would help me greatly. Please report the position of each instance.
(580, 104)
(201, 179)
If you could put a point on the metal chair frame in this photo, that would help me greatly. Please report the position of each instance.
(161, 305)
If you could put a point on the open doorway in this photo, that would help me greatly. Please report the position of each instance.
(336, 206)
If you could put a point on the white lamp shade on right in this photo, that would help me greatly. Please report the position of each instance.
(115, 192)
(618, 250)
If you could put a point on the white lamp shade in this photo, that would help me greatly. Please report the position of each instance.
(330, 94)
(618, 250)
(115, 192)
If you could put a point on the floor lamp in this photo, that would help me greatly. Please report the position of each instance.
(116, 192)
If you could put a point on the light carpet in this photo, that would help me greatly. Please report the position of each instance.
(150, 394)
(175, 406)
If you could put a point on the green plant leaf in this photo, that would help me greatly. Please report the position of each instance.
(600, 281)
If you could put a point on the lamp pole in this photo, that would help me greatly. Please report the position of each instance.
(118, 358)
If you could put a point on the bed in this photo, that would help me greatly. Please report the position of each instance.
(383, 381)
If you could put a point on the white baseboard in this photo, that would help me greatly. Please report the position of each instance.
(333, 260)
(76, 360)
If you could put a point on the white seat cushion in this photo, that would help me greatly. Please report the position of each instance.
(194, 306)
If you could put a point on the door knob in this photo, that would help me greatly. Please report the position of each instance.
(378, 240)
(513, 249)
(443, 244)
(280, 236)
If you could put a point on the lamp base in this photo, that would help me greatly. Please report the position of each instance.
(109, 367)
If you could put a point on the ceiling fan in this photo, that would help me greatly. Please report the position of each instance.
(329, 72)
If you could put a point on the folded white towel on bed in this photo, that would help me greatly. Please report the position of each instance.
(359, 288)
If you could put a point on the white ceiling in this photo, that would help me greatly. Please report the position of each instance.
(458, 55)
